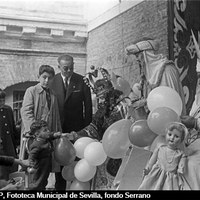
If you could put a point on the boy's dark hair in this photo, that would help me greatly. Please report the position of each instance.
(2, 94)
(37, 125)
(65, 57)
(46, 68)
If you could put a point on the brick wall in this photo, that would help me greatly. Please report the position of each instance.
(106, 43)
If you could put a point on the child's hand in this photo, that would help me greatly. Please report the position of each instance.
(57, 134)
(71, 136)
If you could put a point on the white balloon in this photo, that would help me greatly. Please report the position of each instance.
(95, 154)
(164, 96)
(80, 145)
(83, 171)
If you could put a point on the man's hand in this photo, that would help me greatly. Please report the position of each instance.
(23, 163)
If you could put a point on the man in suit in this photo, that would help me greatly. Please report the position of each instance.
(74, 102)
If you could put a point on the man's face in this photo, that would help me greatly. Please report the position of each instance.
(2, 101)
(140, 59)
(45, 78)
(66, 67)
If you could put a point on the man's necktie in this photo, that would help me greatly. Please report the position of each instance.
(66, 84)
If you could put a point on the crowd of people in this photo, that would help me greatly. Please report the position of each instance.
(60, 105)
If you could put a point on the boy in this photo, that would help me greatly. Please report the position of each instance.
(40, 152)
(40, 103)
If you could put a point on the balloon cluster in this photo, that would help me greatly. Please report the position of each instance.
(91, 154)
(165, 106)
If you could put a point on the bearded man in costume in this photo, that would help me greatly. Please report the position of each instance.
(108, 112)
(156, 69)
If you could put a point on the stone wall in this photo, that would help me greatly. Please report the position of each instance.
(106, 43)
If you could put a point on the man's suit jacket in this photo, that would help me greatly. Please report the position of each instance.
(75, 104)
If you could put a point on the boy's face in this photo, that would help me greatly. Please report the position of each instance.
(2, 101)
(44, 79)
(43, 132)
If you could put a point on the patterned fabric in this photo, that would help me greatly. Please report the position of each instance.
(142, 45)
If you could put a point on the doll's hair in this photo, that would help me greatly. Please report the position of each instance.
(37, 125)
(46, 68)
(179, 127)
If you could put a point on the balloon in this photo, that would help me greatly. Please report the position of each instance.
(140, 135)
(83, 171)
(139, 113)
(136, 90)
(123, 86)
(65, 152)
(68, 172)
(159, 140)
(116, 140)
(164, 96)
(80, 145)
(160, 118)
(78, 185)
(95, 154)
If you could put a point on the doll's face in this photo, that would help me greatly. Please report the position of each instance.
(173, 138)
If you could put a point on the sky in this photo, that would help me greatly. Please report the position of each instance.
(91, 10)
(98, 7)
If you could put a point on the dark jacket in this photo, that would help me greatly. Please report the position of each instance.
(75, 105)
(6, 160)
(8, 139)
(40, 152)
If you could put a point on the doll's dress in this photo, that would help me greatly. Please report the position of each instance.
(163, 175)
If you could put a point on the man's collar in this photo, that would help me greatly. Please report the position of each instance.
(63, 77)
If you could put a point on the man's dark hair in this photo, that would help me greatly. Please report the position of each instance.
(46, 68)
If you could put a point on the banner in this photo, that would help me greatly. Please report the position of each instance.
(184, 17)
